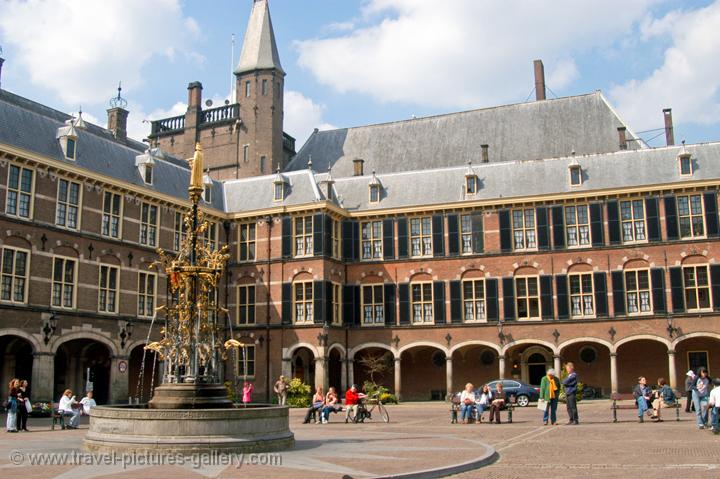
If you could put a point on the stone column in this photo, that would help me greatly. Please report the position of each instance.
(448, 376)
(672, 372)
(350, 372)
(557, 364)
(43, 378)
(344, 386)
(613, 373)
(286, 368)
(321, 373)
(119, 379)
(524, 371)
(501, 367)
(398, 379)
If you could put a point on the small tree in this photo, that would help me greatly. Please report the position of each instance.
(376, 364)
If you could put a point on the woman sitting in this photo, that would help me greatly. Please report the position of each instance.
(482, 401)
(318, 400)
(330, 401)
(497, 403)
(467, 402)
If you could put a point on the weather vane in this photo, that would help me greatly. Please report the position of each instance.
(118, 101)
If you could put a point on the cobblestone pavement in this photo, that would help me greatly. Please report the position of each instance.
(420, 437)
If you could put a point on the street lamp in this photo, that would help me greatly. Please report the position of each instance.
(125, 333)
(49, 327)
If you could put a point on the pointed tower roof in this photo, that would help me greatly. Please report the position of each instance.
(259, 50)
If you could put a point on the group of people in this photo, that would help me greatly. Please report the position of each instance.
(324, 404)
(472, 404)
(18, 405)
(652, 401)
(702, 398)
(70, 407)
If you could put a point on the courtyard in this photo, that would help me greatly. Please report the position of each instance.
(419, 440)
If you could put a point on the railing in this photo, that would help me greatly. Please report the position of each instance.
(221, 113)
(167, 125)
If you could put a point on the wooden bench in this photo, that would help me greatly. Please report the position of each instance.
(57, 417)
(627, 401)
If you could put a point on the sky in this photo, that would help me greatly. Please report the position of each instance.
(357, 62)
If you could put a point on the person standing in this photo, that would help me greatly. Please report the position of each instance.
(248, 389)
(689, 386)
(12, 406)
(642, 394)
(570, 383)
(281, 388)
(549, 391)
(23, 399)
(701, 393)
(714, 403)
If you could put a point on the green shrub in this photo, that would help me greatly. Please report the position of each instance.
(388, 398)
(232, 393)
(298, 394)
(376, 390)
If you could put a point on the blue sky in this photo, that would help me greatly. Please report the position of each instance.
(355, 62)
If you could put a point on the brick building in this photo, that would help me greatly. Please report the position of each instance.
(466, 247)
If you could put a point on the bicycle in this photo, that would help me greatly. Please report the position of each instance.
(364, 413)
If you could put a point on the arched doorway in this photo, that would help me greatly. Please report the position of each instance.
(424, 373)
(641, 357)
(537, 365)
(81, 365)
(529, 362)
(303, 365)
(374, 364)
(475, 364)
(335, 366)
(144, 373)
(695, 352)
(16, 359)
(592, 361)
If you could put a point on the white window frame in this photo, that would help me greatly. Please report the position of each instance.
(685, 158)
(67, 205)
(336, 304)
(475, 304)
(107, 289)
(528, 297)
(471, 180)
(62, 284)
(691, 215)
(147, 294)
(374, 310)
(305, 237)
(249, 242)
(179, 230)
(335, 239)
(528, 233)
(111, 215)
(249, 304)
(423, 236)
(307, 303)
(466, 235)
(13, 277)
(577, 227)
(210, 235)
(582, 295)
(707, 287)
(373, 240)
(147, 229)
(635, 295)
(423, 303)
(21, 195)
(374, 193)
(633, 221)
(249, 355)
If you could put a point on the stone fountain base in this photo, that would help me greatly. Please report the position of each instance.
(190, 396)
(140, 430)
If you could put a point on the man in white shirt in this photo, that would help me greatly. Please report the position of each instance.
(68, 406)
(714, 403)
(87, 403)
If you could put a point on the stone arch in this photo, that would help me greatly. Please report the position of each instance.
(475, 342)
(698, 334)
(538, 342)
(36, 345)
(694, 258)
(641, 355)
(339, 347)
(92, 335)
(581, 267)
(15, 240)
(424, 343)
(302, 275)
(359, 347)
(636, 337)
(586, 339)
(288, 354)
(473, 273)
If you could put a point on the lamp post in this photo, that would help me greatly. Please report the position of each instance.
(49, 328)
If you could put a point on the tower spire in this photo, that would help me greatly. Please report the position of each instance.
(259, 50)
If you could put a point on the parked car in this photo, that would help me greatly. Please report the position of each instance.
(524, 393)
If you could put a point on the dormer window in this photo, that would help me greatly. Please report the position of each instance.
(575, 175)
(70, 148)
(67, 135)
(207, 192)
(471, 184)
(685, 162)
(148, 176)
(145, 164)
(375, 189)
(279, 184)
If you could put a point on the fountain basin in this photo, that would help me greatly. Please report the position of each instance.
(138, 429)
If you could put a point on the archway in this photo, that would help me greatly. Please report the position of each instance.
(374, 364)
(424, 373)
(592, 361)
(528, 362)
(16, 359)
(144, 373)
(335, 366)
(641, 357)
(694, 352)
(82, 365)
(303, 365)
(474, 363)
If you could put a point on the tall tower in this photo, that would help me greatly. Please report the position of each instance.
(259, 89)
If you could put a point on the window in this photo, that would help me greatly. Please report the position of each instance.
(690, 216)
(335, 238)
(304, 236)
(70, 148)
(637, 291)
(581, 295)
(577, 226)
(466, 234)
(575, 175)
(371, 240)
(246, 305)
(421, 303)
(180, 232)
(421, 236)
(374, 193)
(685, 164)
(303, 302)
(336, 305)
(632, 216)
(264, 87)
(111, 214)
(524, 228)
(209, 236)
(246, 153)
(279, 191)
(148, 174)
(247, 89)
(13, 287)
(247, 242)
(207, 193)
(373, 306)
(246, 360)
(107, 297)
(68, 204)
(697, 288)
(471, 184)
(148, 224)
(473, 300)
(146, 295)
(527, 296)
(263, 160)
(19, 192)
(63, 288)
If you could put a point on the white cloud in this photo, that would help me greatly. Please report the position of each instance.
(81, 48)
(689, 78)
(302, 115)
(465, 53)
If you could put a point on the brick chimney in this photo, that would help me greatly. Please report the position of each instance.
(358, 166)
(485, 158)
(195, 95)
(539, 80)
(117, 122)
(669, 134)
(622, 137)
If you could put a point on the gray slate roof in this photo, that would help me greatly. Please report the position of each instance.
(259, 50)
(31, 126)
(526, 131)
(512, 179)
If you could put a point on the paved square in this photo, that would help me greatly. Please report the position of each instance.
(420, 437)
